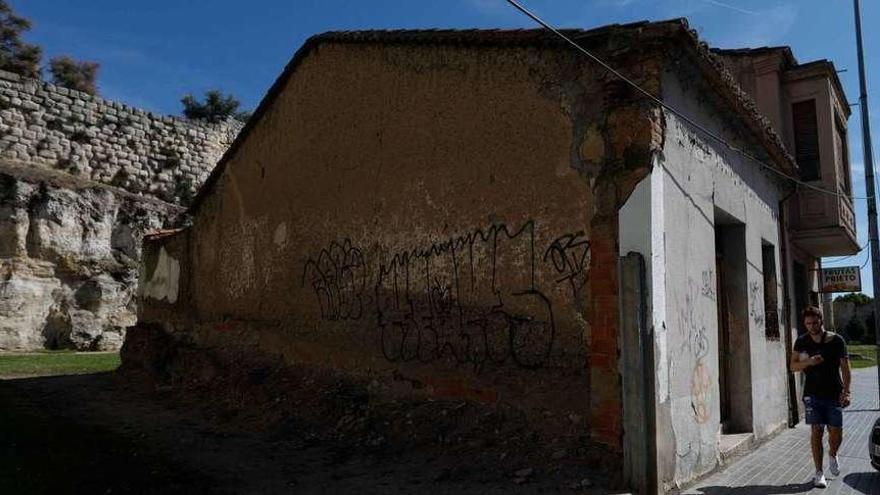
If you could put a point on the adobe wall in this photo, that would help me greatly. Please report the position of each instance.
(444, 217)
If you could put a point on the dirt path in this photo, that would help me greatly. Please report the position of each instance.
(99, 434)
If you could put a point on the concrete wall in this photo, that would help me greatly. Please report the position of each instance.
(447, 215)
(693, 179)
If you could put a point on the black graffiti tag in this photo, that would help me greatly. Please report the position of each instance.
(339, 278)
(570, 256)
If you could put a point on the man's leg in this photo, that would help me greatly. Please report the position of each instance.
(835, 437)
(816, 444)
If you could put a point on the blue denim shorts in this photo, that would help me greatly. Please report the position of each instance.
(823, 412)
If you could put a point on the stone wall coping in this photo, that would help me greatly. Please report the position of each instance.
(60, 90)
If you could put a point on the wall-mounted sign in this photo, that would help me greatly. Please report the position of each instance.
(841, 279)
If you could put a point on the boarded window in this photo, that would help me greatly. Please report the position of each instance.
(806, 139)
(771, 301)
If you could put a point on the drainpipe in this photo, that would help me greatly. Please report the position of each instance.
(793, 415)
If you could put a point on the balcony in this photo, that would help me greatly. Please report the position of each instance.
(823, 224)
(807, 107)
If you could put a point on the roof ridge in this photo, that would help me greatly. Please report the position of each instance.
(713, 66)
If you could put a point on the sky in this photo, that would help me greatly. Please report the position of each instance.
(152, 53)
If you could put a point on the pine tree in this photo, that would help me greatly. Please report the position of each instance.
(16, 55)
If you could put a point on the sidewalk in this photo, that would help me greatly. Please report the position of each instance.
(784, 464)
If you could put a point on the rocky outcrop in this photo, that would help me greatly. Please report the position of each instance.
(81, 180)
(69, 252)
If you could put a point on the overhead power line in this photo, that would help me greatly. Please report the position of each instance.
(836, 259)
(675, 111)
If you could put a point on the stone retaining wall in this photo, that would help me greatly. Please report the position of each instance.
(82, 179)
(106, 141)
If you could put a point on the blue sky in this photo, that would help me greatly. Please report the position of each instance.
(152, 53)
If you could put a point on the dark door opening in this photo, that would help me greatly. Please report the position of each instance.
(734, 351)
(723, 339)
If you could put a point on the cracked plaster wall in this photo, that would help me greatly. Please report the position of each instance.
(418, 185)
(693, 177)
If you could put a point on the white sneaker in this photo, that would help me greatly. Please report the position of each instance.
(819, 480)
(834, 465)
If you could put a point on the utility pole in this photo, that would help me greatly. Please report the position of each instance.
(869, 182)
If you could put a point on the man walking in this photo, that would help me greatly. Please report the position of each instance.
(823, 358)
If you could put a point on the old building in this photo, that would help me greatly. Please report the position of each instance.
(494, 216)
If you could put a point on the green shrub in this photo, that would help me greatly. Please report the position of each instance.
(854, 331)
(69, 73)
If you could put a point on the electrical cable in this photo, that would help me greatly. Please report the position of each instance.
(835, 259)
(867, 260)
(675, 111)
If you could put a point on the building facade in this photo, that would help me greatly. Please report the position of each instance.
(491, 215)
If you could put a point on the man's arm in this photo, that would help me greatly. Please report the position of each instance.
(798, 364)
(846, 377)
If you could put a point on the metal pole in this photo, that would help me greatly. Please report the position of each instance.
(869, 182)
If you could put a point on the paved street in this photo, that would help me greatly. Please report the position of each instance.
(784, 464)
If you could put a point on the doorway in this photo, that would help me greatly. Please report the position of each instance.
(734, 352)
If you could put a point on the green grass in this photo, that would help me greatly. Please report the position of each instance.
(868, 352)
(46, 363)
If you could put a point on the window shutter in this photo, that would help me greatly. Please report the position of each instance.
(806, 139)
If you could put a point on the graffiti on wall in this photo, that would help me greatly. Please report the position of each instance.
(338, 276)
(707, 289)
(701, 384)
(696, 341)
(570, 257)
(473, 298)
(756, 303)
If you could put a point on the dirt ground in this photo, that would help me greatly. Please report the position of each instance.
(109, 433)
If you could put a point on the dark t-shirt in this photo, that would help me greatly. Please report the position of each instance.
(823, 380)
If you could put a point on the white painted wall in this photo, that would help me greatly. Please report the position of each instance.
(692, 177)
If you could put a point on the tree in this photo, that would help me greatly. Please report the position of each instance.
(854, 331)
(71, 74)
(856, 298)
(16, 55)
(215, 108)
